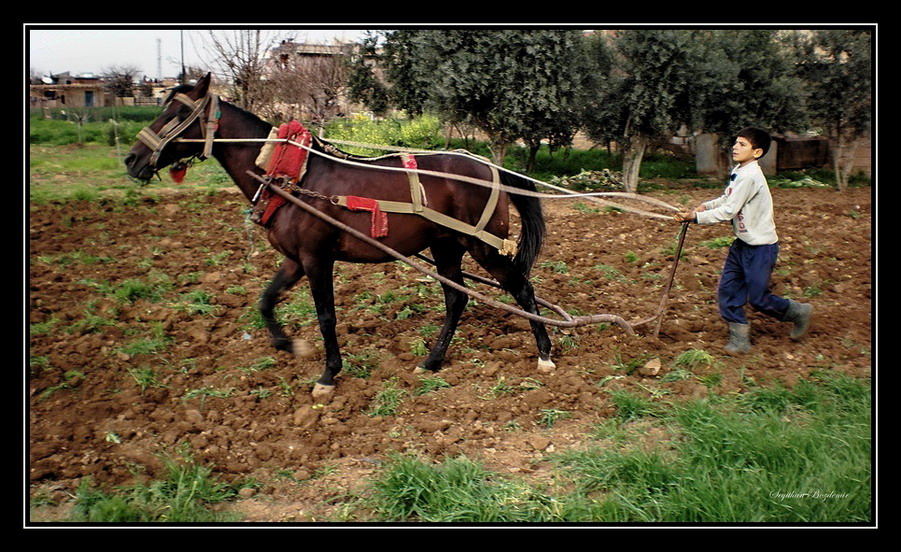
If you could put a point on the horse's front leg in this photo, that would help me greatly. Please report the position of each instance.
(320, 273)
(289, 273)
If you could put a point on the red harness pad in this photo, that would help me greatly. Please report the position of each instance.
(288, 160)
(379, 225)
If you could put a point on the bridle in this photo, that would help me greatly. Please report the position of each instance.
(171, 131)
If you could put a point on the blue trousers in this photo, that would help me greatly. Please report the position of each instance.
(746, 280)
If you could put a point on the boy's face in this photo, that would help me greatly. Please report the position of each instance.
(743, 152)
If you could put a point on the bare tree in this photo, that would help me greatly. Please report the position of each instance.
(308, 82)
(241, 56)
(120, 80)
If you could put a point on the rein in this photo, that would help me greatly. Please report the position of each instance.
(172, 130)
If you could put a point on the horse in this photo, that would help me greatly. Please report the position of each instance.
(194, 123)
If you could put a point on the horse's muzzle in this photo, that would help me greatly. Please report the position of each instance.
(137, 170)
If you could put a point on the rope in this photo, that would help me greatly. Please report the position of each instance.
(590, 196)
(568, 322)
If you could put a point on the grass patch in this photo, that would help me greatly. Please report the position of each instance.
(185, 495)
(388, 400)
(776, 455)
(457, 490)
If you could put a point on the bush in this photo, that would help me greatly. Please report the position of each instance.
(423, 132)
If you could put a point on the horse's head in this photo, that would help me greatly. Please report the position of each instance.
(182, 131)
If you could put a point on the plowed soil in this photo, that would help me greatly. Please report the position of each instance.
(119, 380)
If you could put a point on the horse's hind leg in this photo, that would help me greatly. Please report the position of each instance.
(516, 284)
(448, 256)
(288, 274)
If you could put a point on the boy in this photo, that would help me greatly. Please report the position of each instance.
(747, 203)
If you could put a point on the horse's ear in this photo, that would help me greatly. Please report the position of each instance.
(202, 86)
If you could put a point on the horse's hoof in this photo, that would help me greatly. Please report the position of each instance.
(419, 370)
(546, 366)
(301, 348)
(320, 390)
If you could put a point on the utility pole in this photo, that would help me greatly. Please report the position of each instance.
(159, 60)
(182, 36)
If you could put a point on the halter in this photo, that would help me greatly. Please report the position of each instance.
(171, 130)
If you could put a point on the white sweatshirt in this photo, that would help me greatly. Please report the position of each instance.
(747, 203)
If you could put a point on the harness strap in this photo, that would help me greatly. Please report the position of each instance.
(505, 246)
(417, 191)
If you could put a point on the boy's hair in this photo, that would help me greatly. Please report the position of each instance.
(759, 138)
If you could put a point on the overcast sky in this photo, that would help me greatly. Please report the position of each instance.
(92, 50)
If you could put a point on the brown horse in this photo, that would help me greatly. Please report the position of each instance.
(195, 124)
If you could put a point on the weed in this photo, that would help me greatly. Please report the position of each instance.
(678, 374)
(458, 490)
(145, 378)
(360, 365)
(69, 380)
(155, 343)
(133, 289)
(550, 416)
(197, 302)
(388, 400)
(693, 359)
(185, 495)
(632, 407)
(430, 384)
(204, 392)
(718, 243)
(44, 327)
(260, 364)
(418, 347)
(558, 267)
(711, 380)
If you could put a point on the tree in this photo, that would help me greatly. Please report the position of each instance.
(120, 80)
(241, 56)
(837, 67)
(745, 78)
(510, 84)
(363, 84)
(645, 92)
(306, 82)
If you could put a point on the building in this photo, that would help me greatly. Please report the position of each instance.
(65, 90)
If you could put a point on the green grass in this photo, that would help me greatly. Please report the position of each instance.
(388, 400)
(775, 455)
(96, 171)
(185, 495)
(769, 456)
(457, 490)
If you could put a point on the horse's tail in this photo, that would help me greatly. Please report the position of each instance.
(533, 231)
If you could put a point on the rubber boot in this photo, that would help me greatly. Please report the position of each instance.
(799, 314)
(739, 338)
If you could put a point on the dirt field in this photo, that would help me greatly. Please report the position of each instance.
(213, 385)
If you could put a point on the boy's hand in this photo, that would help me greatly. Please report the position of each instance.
(687, 216)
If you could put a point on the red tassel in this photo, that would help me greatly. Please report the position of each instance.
(178, 172)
